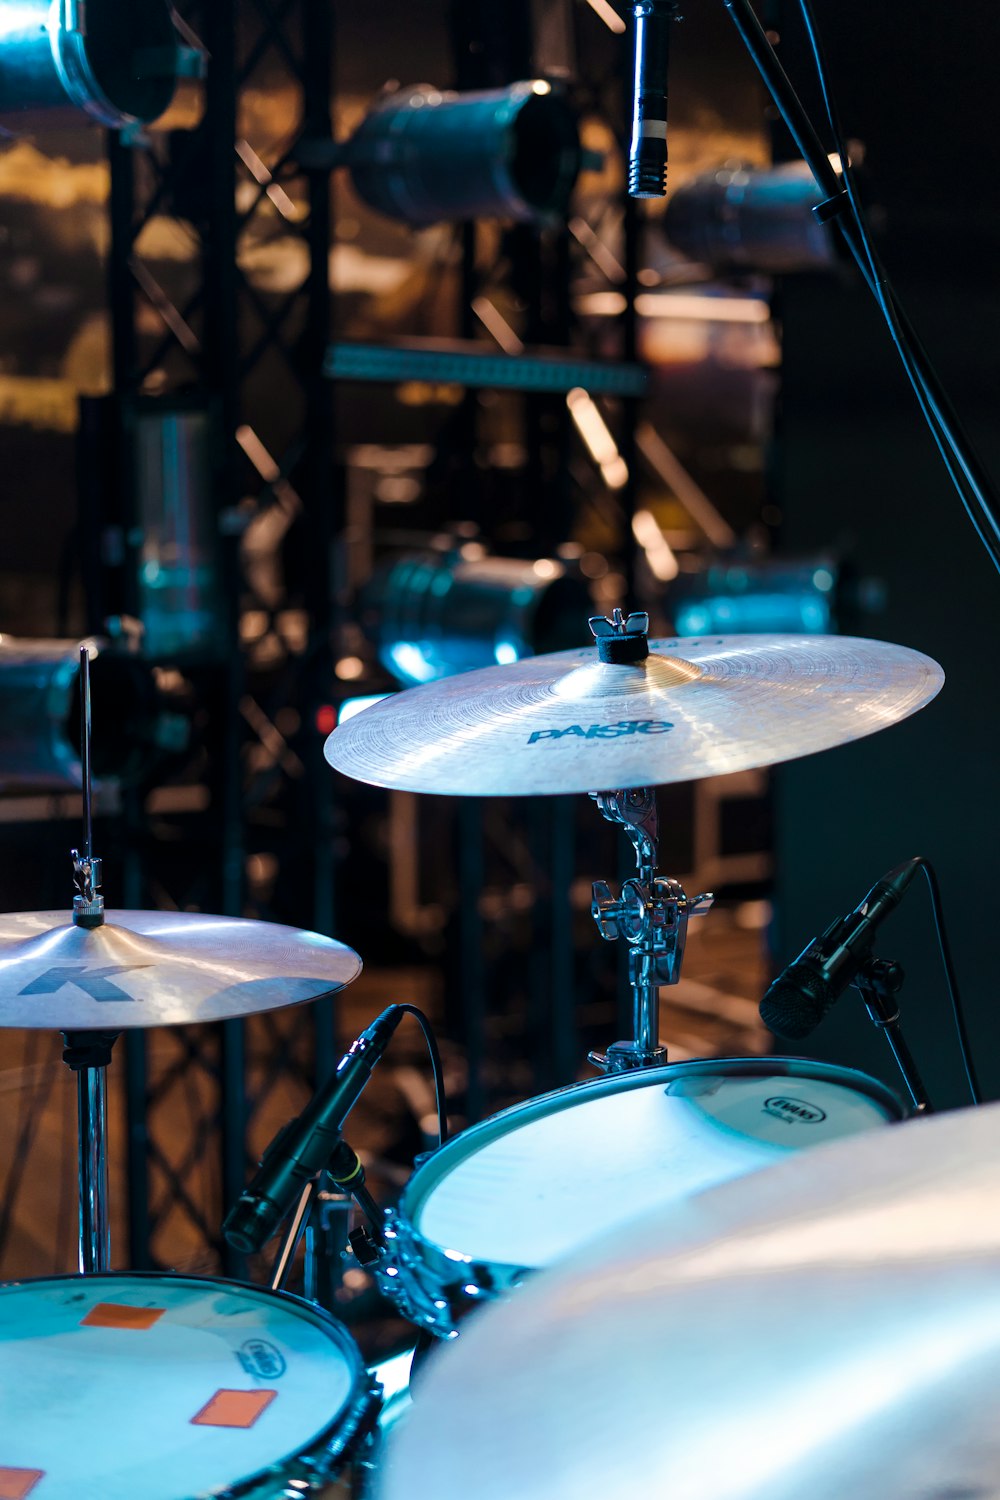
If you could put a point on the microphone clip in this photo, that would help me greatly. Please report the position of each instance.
(879, 982)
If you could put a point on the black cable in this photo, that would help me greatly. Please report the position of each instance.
(949, 972)
(903, 335)
(438, 1070)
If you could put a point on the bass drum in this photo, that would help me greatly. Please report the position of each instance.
(529, 1186)
(171, 1388)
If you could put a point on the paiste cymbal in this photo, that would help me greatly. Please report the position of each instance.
(828, 1327)
(568, 722)
(158, 968)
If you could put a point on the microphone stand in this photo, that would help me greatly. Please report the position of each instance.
(879, 982)
(324, 1199)
(813, 152)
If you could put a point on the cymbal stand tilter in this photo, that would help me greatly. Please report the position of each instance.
(652, 911)
(88, 1053)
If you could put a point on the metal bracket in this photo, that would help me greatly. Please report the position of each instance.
(635, 809)
(651, 914)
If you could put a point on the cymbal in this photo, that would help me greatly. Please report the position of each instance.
(694, 707)
(158, 968)
(828, 1327)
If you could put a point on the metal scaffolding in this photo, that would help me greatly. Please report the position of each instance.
(207, 334)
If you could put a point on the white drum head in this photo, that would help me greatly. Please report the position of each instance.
(600, 1154)
(160, 1387)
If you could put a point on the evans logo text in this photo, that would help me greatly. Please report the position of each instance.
(603, 731)
(262, 1360)
(794, 1111)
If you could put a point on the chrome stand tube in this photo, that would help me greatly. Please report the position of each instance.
(92, 1121)
(88, 1053)
(293, 1234)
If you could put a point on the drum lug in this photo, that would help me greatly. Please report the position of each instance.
(622, 1057)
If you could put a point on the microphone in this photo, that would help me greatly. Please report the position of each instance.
(305, 1145)
(647, 155)
(800, 997)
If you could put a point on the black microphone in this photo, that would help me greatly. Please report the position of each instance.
(803, 993)
(647, 154)
(305, 1145)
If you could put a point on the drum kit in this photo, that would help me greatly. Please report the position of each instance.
(841, 1302)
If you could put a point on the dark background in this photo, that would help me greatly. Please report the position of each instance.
(852, 461)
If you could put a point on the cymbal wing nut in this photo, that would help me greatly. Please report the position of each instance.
(606, 911)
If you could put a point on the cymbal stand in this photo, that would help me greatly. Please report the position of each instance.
(651, 914)
(88, 1053)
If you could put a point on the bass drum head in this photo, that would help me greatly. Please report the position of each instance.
(537, 1181)
(165, 1387)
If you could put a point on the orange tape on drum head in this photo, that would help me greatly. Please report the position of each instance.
(120, 1315)
(233, 1408)
(15, 1484)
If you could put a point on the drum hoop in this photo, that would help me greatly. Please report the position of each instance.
(432, 1284)
(440, 1163)
(342, 1435)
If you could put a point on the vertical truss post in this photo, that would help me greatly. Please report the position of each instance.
(322, 493)
(221, 375)
(213, 329)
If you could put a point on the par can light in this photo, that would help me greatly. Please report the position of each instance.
(423, 156)
(745, 219)
(432, 614)
(112, 62)
(40, 715)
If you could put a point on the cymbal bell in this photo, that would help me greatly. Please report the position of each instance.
(828, 1327)
(158, 968)
(694, 707)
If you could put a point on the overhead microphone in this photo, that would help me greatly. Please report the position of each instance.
(305, 1145)
(647, 156)
(800, 997)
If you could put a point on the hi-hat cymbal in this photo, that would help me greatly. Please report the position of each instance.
(828, 1327)
(568, 722)
(158, 968)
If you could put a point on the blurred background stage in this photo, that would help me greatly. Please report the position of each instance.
(288, 430)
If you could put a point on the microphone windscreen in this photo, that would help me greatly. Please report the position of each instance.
(796, 1003)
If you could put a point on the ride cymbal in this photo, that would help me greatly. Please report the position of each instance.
(158, 968)
(828, 1327)
(694, 707)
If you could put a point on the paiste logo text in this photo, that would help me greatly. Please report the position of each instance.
(603, 731)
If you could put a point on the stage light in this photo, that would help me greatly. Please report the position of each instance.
(61, 60)
(758, 595)
(751, 219)
(432, 614)
(423, 155)
(134, 722)
(181, 600)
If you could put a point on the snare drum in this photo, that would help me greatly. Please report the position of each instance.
(525, 1188)
(172, 1387)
